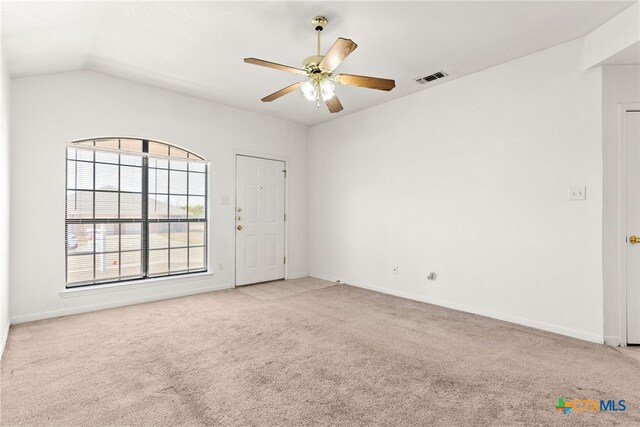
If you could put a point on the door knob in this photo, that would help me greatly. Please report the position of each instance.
(634, 240)
(239, 227)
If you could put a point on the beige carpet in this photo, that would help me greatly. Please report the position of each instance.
(336, 355)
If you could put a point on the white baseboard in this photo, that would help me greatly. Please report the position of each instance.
(297, 275)
(326, 277)
(586, 336)
(3, 343)
(103, 306)
(612, 341)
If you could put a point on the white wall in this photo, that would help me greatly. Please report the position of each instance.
(620, 84)
(4, 203)
(470, 179)
(50, 110)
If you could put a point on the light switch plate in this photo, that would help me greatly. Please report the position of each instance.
(577, 193)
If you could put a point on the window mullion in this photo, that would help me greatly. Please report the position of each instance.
(188, 216)
(119, 213)
(169, 163)
(93, 188)
(206, 215)
(145, 209)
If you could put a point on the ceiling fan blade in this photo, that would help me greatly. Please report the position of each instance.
(338, 53)
(334, 104)
(281, 92)
(256, 61)
(364, 81)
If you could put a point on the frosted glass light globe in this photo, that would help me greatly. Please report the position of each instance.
(309, 90)
(327, 88)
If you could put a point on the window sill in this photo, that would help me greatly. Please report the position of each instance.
(114, 287)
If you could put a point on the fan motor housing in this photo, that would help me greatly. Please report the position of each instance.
(311, 65)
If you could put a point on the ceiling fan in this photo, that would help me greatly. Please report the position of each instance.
(319, 71)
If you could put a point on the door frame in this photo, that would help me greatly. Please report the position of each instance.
(264, 156)
(623, 108)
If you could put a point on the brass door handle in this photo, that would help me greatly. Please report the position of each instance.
(634, 240)
(239, 227)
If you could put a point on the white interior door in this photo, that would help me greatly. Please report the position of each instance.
(259, 220)
(632, 136)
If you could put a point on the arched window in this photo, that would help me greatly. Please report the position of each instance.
(135, 209)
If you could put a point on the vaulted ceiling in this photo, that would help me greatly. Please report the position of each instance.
(198, 47)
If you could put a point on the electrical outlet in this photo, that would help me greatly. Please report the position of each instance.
(395, 270)
(220, 266)
(577, 193)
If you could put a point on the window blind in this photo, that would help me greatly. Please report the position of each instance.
(134, 209)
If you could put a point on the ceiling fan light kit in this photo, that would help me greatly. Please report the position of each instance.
(318, 69)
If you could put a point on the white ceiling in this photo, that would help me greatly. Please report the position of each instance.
(197, 47)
